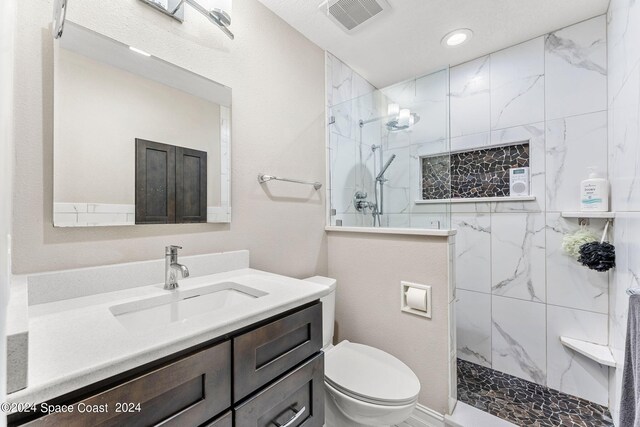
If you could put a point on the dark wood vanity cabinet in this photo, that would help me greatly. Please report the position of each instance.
(269, 375)
(269, 351)
(295, 400)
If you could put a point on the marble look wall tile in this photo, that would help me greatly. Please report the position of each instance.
(366, 164)
(517, 85)
(567, 370)
(535, 134)
(349, 97)
(518, 338)
(576, 69)
(624, 148)
(342, 157)
(432, 105)
(470, 101)
(397, 188)
(518, 255)
(626, 275)
(570, 284)
(473, 251)
(433, 220)
(623, 33)
(468, 142)
(403, 93)
(573, 144)
(473, 321)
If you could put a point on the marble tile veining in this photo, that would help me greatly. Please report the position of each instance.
(517, 85)
(573, 144)
(518, 338)
(470, 97)
(624, 149)
(571, 372)
(473, 320)
(623, 33)
(575, 60)
(473, 251)
(518, 256)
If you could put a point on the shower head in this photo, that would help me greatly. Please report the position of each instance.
(384, 168)
(394, 125)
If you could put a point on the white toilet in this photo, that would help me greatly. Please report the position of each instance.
(364, 385)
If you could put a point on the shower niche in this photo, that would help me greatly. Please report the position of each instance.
(475, 173)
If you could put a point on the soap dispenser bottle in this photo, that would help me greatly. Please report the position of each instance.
(594, 193)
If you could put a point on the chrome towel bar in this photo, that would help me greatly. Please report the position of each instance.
(262, 178)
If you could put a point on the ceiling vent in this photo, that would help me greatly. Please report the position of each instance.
(350, 14)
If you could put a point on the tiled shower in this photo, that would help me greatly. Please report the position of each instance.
(517, 292)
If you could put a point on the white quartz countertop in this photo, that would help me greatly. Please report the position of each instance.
(77, 342)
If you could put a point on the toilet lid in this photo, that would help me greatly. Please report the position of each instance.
(369, 374)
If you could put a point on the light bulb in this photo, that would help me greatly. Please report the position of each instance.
(393, 109)
(404, 116)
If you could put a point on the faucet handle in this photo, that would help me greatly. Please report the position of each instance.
(171, 249)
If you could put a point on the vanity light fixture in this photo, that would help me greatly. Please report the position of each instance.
(140, 51)
(457, 37)
(216, 11)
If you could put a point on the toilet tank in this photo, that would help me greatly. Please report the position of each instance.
(328, 307)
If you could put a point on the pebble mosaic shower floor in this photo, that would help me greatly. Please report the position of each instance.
(525, 403)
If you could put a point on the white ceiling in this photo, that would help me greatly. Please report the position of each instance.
(406, 42)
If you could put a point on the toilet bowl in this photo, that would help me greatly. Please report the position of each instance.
(364, 386)
(367, 386)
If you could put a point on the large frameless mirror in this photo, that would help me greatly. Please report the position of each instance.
(137, 140)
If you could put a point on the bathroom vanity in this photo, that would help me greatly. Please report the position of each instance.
(238, 347)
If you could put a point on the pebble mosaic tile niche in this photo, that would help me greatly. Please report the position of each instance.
(472, 174)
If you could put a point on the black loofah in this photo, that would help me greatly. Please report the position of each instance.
(598, 256)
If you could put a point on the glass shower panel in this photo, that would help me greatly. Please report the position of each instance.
(376, 145)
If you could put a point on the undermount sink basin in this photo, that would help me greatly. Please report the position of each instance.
(176, 306)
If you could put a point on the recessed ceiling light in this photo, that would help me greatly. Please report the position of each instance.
(140, 51)
(457, 37)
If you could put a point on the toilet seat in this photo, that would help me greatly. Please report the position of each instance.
(370, 375)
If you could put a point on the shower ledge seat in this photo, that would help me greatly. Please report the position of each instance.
(598, 352)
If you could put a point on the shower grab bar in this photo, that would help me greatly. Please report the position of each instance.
(262, 178)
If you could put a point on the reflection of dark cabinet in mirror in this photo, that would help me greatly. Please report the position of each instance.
(171, 184)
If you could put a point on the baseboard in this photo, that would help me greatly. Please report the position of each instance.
(425, 417)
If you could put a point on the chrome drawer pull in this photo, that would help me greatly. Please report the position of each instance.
(294, 419)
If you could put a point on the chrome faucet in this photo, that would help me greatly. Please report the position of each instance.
(171, 267)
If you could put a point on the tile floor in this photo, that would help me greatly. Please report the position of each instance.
(525, 403)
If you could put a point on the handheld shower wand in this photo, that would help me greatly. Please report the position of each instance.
(380, 176)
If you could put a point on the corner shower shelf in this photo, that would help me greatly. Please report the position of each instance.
(600, 353)
(603, 215)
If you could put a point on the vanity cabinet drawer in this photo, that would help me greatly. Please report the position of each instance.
(225, 420)
(187, 392)
(296, 400)
(265, 353)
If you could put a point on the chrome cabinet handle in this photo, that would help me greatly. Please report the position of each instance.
(297, 415)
